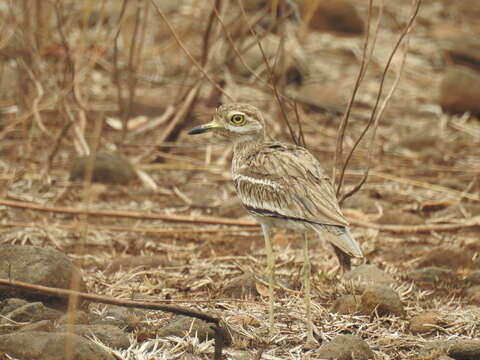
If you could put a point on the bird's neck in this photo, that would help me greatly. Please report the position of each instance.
(244, 144)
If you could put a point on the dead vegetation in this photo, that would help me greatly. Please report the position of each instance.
(130, 77)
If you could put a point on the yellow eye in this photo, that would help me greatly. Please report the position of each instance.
(237, 119)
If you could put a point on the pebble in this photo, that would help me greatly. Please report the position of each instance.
(346, 305)
(460, 90)
(369, 273)
(182, 326)
(338, 16)
(424, 322)
(36, 345)
(344, 347)
(445, 257)
(431, 274)
(382, 300)
(110, 335)
(38, 266)
(108, 168)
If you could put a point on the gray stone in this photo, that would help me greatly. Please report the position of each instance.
(110, 335)
(369, 273)
(37, 345)
(431, 274)
(459, 349)
(32, 312)
(381, 299)
(121, 317)
(42, 325)
(344, 347)
(8, 305)
(242, 286)
(107, 169)
(182, 326)
(347, 305)
(80, 317)
(38, 266)
(460, 90)
(447, 257)
(424, 322)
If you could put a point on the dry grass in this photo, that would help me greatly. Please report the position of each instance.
(60, 72)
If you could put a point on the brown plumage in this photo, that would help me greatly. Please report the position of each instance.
(281, 185)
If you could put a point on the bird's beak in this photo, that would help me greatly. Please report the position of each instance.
(214, 124)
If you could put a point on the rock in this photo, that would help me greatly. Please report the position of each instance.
(8, 305)
(453, 258)
(242, 286)
(431, 274)
(473, 277)
(460, 90)
(244, 320)
(473, 293)
(110, 335)
(50, 346)
(463, 50)
(143, 262)
(347, 305)
(369, 273)
(80, 317)
(182, 326)
(382, 300)
(38, 266)
(332, 15)
(344, 347)
(424, 322)
(42, 325)
(459, 349)
(32, 312)
(108, 169)
(118, 316)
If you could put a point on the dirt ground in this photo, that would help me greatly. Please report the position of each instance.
(425, 168)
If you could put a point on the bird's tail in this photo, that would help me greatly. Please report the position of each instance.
(342, 239)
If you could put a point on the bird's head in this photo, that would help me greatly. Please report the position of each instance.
(236, 122)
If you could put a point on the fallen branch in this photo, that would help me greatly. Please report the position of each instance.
(212, 220)
(134, 229)
(128, 214)
(221, 335)
(404, 229)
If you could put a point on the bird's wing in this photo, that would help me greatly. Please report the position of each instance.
(286, 181)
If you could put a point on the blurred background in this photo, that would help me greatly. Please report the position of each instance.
(124, 81)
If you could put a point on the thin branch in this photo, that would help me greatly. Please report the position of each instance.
(131, 68)
(346, 117)
(134, 229)
(187, 52)
(116, 70)
(374, 119)
(64, 293)
(206, 35)
(270, 72)
(128, 214)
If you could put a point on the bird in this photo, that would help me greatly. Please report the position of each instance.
(281, 185)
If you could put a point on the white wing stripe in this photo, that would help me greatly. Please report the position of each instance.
(257, 181)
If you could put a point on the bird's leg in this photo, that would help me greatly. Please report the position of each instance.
(306, 289)
(271, 275)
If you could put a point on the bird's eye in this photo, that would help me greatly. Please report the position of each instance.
(237, 119)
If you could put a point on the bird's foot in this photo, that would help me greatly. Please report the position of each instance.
(310, 344)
